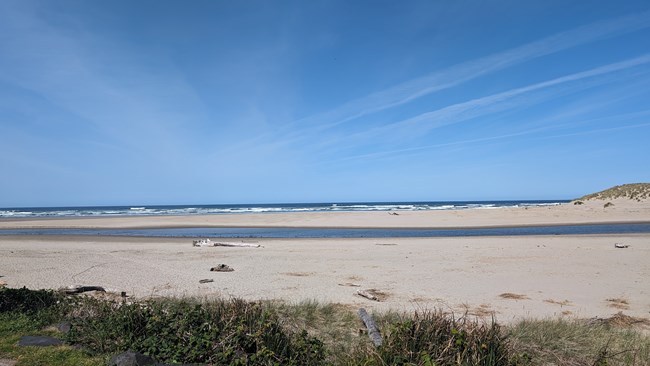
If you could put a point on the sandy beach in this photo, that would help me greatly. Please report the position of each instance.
(510, 277)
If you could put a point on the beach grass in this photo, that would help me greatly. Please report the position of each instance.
(307, 333)
(579, 342)
(633, 191)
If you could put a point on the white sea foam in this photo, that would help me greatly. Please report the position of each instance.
(259, 209)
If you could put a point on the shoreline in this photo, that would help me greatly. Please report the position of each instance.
(590, 213)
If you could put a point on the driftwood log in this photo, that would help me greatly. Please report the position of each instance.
(210, 243)
(367, 295)
(79, 289)
(373, 332)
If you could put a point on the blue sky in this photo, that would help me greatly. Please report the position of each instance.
(170, 102)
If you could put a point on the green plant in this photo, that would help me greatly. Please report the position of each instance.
(433, 338)
(574, 342)
(27, 301)
(220, 332)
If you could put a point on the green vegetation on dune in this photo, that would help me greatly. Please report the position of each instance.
(237, 332)
(634, 191)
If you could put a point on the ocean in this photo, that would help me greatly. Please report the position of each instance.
(162, 210)
(159, 210)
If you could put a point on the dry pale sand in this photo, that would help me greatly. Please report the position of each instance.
(512, 277)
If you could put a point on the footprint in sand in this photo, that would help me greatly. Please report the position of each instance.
(513, 296)
(297, 274)
(561, 303)
(618, 303)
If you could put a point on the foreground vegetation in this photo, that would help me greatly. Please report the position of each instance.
(237, 332)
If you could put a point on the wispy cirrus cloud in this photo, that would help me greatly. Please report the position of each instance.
(391, 136)
(455, 75)
(460, 112)
(527, 132)
(329, 128)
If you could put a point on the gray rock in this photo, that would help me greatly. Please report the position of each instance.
(63, 327)
(130, 358)
(39, 341)
(222, 268)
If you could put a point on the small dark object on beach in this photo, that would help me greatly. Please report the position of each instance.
(349, 284)
(222, 268)
(79, 289)
(368, 295)
(206, 280)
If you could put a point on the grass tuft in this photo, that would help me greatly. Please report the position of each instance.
(435, 338)
(574, 342)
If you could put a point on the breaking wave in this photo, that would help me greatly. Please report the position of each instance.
(259, 208)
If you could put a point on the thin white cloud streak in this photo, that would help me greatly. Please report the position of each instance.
(458, 74)
(416, 149)
(461, 112)
(306, 128)
(472, 109)
(477, 107)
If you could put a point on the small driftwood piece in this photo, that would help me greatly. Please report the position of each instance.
(621, 246)
(206, 280)
(367, 295)
(79, 289)
(222, 268)
(210, 243)
(349, 284)
(373, 332)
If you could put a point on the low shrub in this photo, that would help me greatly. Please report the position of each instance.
(24, 300)
(233, 332)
